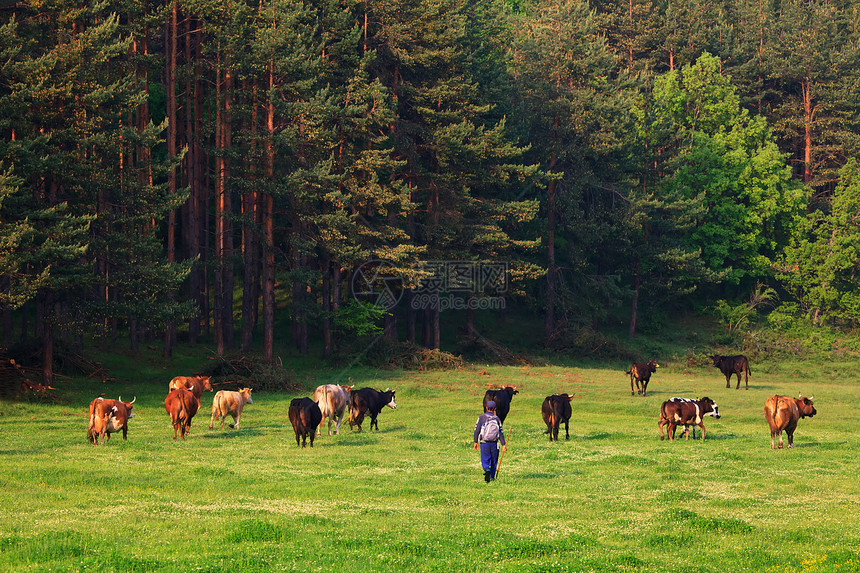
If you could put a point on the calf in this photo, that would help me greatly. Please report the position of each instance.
(502, 397)
(556, 409)
(196, 384)
(783, 413)
(685, 412)
(107, 416)
(332, 401)
(368, 400)
(226, 402)
(641, 373)
(731, 365)
(305, 416)
(182, 406)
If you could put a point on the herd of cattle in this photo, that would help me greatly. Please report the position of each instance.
(332, 401)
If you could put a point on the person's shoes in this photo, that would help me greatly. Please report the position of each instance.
(487, 476)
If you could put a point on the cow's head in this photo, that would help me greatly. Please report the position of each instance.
(128, 406)
(246, 395)
(390, 395)
(709, 407)
(718, 359)
(207, 385)
(807, 410)
(511, 390)
(652, 365)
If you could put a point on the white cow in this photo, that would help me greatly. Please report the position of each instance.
(332, 401)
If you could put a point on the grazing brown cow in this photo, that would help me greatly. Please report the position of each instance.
(107, 416)
(685, 412)
(305, 416)
(641, 372)
(182, 406)
(556, 409)
(731, 365)
(332, 401)
(782, 413)
(197, 384)
(230, 403)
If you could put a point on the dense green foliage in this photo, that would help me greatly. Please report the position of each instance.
(616, 160)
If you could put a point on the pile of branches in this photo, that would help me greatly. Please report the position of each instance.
(233, 372)
(485, 350)
(21, 382)
(67, 360)
(414, 357)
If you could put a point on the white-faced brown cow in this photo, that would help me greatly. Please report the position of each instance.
(196, 384)
(686, 412)
(107, 416)
(332, 401)
(182, 406)
(783, 413)
(230, 403)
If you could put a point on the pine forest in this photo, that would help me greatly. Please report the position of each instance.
(243, 173)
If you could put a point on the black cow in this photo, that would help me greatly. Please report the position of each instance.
(730, 365)
(368, 400)
(556, 409)
(305, 416)
(502, 398)
(641, 372)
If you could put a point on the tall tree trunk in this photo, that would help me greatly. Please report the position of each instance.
(808, 117)
(227, 210)
(326, 305)
(220, 216)
(268, 228)
(634, 305)
(48, 342)
(171, 44)
(549, 317)
(249, 244)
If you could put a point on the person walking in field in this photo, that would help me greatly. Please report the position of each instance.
(488, 434)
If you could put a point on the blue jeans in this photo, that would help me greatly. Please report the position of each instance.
(490, 457)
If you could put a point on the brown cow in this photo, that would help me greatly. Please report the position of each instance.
(182, 406)
(782, 413)
(641, 372)
(305, 416)
(332, 401)
(685, 412)
(107, 416)
(731, 365)
(556, 409)
(197, 384)
(226, 402)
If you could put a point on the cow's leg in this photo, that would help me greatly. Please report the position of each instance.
(373, 421)
(661, 423)
(566, 430)
(631, 385)
(235, 423)
(670, 431)
(703, 430)
(790, 438)
(746, 379)
(644, 386)
(738, 387)
(728, 380)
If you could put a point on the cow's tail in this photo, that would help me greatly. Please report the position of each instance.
(770, 409)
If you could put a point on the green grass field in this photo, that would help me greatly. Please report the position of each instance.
(411, 497)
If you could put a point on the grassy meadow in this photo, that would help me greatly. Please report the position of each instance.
(411, 497)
